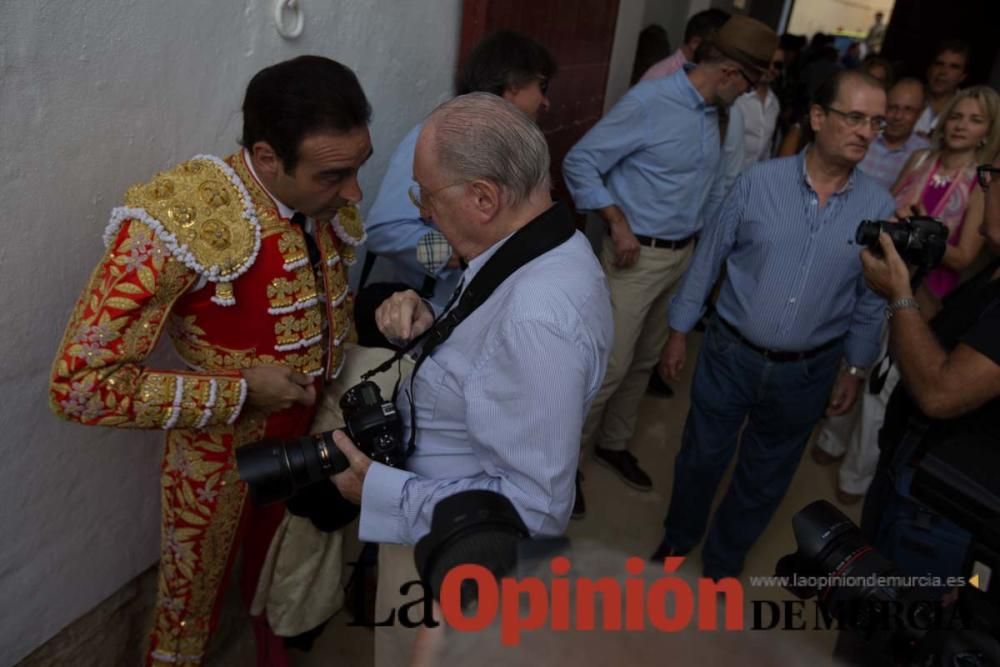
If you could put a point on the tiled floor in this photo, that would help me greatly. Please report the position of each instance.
(630, 521)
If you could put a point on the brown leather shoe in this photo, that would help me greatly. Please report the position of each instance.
(823, 458)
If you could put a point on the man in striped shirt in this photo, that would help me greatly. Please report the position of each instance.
(793, 306)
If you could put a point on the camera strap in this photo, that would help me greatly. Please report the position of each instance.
(547, 231)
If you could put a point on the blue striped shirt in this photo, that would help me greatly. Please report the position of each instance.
(656, 155)
(793, 278)
(500, 404)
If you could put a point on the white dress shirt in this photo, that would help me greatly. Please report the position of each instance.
(759, 120)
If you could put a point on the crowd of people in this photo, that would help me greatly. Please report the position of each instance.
(730, 180)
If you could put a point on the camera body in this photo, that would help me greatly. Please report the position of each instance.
(920, 240)
(276, 469)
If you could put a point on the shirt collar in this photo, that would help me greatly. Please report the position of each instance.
(801, 157)
(912, 143)
(476, 264)
(690, 94)
(284, 211)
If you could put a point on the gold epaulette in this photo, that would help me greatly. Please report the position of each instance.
(203, 214)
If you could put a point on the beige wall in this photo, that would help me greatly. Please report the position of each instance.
(836, 16)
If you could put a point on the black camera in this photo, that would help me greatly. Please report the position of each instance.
(276, 469)
(884, 618)
(920, 240)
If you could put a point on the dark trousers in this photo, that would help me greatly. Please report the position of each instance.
(780, 403)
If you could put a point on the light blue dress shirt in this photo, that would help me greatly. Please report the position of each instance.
(394, 227)
(656, 155)
(500, 404)
(793, 278)
(884, 164)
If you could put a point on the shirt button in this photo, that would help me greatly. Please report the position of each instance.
(792, 300)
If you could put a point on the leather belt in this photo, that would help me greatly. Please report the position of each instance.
(663, 243)
(780, 355)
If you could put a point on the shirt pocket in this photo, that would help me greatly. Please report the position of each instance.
(427, 389)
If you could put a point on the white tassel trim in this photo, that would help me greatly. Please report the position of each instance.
(344, 236)
(340, 367)
(305, 342)
(351, 261)
(175, 409)
(175, 658)
(301, 305)
(291, 266)
(180, 251)
(340, 299)
(213, 388)
(239, 404)
(222, 300)
(333, 261)
(315, 373)
(340, 339)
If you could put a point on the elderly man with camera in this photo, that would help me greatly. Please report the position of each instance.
(945, 415)
(508, 369)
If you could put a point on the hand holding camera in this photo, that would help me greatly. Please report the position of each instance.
(889, 246)
(276, 469)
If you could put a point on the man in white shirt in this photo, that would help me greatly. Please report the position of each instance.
(948, 70)
(760, 109)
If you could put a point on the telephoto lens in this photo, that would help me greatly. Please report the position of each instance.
(276, 469)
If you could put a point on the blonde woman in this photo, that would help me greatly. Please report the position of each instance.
(940, 182)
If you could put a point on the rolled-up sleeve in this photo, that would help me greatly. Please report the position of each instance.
(525, 404)
(613, 138)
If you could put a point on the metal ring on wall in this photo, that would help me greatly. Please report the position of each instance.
(279, 18)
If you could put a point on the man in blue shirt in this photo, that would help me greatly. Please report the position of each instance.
(793, 305)
(500, 403)
(891, 149)
(413, 253)
(651, 169)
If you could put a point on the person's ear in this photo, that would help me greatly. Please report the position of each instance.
(816, 117)
(266, 160)
(510, 92)
(486, 198)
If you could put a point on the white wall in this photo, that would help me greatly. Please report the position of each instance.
(837, 16)
(96, 95)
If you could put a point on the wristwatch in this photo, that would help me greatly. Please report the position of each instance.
(857, 372)
(900, 304)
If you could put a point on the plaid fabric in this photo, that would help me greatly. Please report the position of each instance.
(433, 251)
(884, 164)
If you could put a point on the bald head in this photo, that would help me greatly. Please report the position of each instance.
(482, 136)
(904, 106)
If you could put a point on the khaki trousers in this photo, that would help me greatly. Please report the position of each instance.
(639, 297)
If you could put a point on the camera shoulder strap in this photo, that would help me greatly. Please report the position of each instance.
(547, 231)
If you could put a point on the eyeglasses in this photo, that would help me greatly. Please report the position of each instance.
(421, 199)
(857, 119)
(984, 173)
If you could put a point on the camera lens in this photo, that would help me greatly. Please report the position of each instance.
(275, 469)
(867, 233)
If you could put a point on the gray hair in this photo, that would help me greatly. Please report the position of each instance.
(480, 135)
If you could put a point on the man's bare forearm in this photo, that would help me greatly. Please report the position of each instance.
(920, 357)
